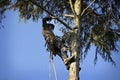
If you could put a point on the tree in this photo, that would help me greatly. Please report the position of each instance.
(94, 22)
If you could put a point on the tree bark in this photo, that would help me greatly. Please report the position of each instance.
(75, 44)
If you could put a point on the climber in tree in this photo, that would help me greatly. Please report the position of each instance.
(54, 44)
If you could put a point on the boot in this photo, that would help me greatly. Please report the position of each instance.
(68, 61)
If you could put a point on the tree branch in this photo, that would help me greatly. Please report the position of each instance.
(34, 2)
(71, 5)
(68, 15)
(87, 7)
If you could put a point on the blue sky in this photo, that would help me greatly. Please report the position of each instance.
(24, 57)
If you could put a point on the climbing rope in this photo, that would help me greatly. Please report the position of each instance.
(54, 68)
(50, 70)
(51, 64)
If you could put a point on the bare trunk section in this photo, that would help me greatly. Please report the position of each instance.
(75, 51)
(75, 45)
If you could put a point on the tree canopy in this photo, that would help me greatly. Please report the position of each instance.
(100, 20)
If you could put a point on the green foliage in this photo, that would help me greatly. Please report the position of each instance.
(27, 10)
(100, 27)
(105, 41)
(3, 5)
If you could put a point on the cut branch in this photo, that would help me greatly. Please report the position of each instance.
(34, 2)
(87, 7)
(68, 15)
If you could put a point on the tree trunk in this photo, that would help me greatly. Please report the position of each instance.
(75, 44)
